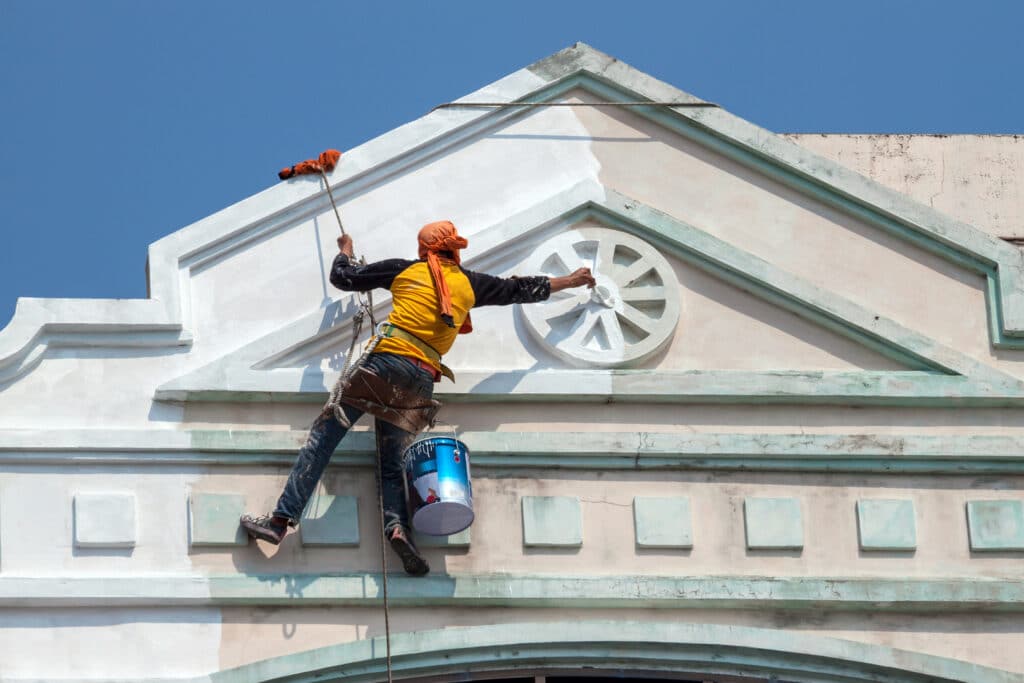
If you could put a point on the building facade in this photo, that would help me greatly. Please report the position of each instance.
(780, 441)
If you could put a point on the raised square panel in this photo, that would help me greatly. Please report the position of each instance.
(996, 524)
(773, 523)
(459, 540)
(886, 524)
(214, 519)
(662, 522)
(104, 520)
(552, 522)
(331, 520)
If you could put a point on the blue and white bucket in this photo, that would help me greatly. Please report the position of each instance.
(438, 487)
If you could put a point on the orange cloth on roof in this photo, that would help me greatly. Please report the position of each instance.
(441, 236)
(326, 161)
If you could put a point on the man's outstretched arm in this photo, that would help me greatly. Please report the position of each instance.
(499, 291)
(577, 278)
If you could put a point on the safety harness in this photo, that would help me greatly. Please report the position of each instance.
(387, 330)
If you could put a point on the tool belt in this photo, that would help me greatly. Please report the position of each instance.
(366, 390)
(388, 331)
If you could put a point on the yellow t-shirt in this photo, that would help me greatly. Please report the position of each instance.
(415, 310)
(415, 298)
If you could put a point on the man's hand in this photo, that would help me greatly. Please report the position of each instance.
(345, 245)
(577, 278)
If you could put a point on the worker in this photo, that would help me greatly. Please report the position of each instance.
(431, 300)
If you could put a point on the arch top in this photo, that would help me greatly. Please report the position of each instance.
(683, 648)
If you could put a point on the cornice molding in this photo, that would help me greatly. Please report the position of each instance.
(968, 454)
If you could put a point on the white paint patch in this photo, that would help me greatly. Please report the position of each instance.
(36, 521)
(129, 644)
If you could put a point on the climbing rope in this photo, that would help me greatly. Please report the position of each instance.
(364, 311)
(383, 559)
(324, 163)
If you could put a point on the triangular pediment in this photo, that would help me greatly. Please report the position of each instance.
(887, 362)
(874, 357)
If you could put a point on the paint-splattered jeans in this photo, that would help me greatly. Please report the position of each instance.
(326, 433)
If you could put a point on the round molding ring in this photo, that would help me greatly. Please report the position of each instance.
(630, 314)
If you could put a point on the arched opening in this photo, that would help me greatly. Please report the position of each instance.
(607, 651)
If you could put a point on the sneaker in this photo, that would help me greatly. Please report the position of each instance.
(412, 561)
(264, 527)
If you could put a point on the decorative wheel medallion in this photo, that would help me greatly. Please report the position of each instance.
(629, 315)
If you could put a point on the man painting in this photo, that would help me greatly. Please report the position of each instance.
(432, 298)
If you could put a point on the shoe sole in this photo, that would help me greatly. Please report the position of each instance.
(413, 564)
(260, 533)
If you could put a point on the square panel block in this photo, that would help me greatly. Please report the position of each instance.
(996, 524)
(773, 523)
(214, 519)
(330, 520)
(104, 520)
(886, 524)
(552, 522)
(459, 540)
(662, 522)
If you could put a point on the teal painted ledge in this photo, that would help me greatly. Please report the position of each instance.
(855, 453)
(519, 590)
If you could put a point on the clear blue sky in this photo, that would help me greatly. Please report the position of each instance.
(125, 121)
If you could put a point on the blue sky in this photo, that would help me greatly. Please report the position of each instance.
(125, 121)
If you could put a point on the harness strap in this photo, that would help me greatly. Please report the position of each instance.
(387, 330)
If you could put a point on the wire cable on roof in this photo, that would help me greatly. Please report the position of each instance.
(640, 103)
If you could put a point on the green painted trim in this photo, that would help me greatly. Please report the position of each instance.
(617, 646)
(840, 188)
(792, 293)
(859, 453)
(896, 594)
(835, 186)
(866, 388)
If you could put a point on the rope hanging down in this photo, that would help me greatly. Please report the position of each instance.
(322, 164)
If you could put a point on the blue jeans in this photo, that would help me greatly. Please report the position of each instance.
(326, 433)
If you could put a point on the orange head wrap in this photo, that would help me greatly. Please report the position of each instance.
(434, 238)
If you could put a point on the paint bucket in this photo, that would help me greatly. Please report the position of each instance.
(438, 487)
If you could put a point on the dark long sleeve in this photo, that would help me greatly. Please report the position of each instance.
(352, 277)
(499, 291)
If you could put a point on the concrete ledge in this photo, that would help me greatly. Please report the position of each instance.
(886, 525)
(996, 525)
(213, 519)
(552, 522)
(773, 524)
(104, 520)
(519, 590)
(860, 453)
(330, 521)
(662, 522)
